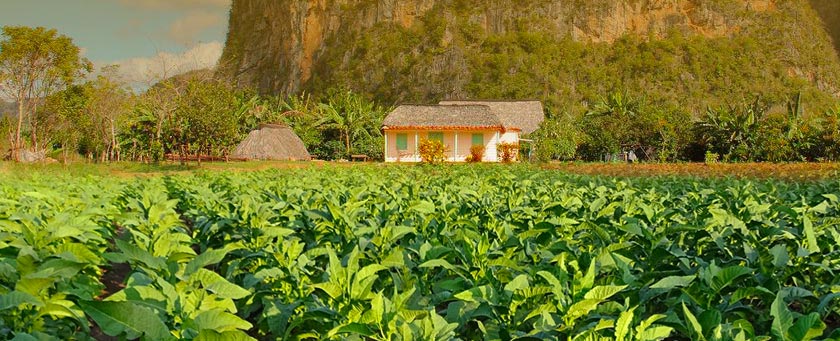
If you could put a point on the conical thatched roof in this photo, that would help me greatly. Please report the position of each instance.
(272, 142)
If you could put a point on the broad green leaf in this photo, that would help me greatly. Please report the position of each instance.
(209, 257)
(230, 335)
(369, 270)
(128, 319)
(604, 292)
(807, 327)
(518, 283)
(622, 326)
(783, 318)
(672, 282)
(219, 321)
(17, 299)
(581, 308)
(218, 285)
(352, 329)
(727, 276)
(811, 237)
(655, 333)
(484, 293)
(693, 323)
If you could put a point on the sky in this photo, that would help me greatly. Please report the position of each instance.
(148, 39)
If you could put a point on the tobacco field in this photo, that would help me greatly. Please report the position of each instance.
(418, 253)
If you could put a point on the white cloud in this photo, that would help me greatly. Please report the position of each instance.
(146, 71)
(187, 28)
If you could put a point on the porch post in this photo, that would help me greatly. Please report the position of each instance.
(416, 147)
(386, 145)
(455, 152)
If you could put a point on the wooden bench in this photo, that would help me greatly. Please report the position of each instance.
(360, 157)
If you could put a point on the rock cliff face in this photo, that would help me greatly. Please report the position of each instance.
(430, 49)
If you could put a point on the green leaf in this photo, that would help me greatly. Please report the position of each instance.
(484, 293)
(353, 329)
(16, 299)
(136, 254)
(209, 257)
(581, 308)
(782, 317)
(672, 282)
(230, 335)
(655, 333)
(218, 285)
(604, 292)
(24, 337)
(727, 276)
(220, 321)
(808, 228)
(807, 327)
(622, 326)
(369, 270)
(126, 318)
(780, 255)
(518, 283)
(692, 322)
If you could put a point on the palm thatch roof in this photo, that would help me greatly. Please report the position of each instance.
(523, 115)
(272, 142)
(442, 117)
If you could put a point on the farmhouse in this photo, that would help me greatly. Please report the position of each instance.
(459, 125)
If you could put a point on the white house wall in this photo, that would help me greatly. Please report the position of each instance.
(464, 143)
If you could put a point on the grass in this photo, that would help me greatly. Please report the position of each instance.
(778, 171)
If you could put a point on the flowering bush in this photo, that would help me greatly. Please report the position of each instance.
(476, 153)
(432, 151)
(508, 152)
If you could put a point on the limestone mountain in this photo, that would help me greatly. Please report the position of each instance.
(680, 53)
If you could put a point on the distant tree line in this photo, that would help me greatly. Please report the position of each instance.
(64, 112)
(748, 130)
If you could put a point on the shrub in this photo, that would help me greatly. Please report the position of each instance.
(432, 151)
(476, 153)
(508, 152)
(712, 157)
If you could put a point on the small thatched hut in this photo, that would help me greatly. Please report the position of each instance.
(272, 142)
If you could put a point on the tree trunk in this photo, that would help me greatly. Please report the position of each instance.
(347, 142)
(17, 144)
(114, 147)
(34, 126)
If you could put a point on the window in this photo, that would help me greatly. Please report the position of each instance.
(402, 141)
(478, 139)
(436, 136)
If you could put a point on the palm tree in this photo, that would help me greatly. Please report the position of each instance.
(351, 115)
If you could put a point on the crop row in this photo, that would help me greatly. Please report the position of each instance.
(402, 253)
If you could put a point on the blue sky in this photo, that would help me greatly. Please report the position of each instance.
(135, 34)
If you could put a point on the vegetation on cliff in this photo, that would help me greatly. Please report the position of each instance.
(450, 50)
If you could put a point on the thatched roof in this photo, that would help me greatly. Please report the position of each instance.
(523, 115)
(442, 117)
(272, 142)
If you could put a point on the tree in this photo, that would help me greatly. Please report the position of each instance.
(733, 131)
(205, 121)
(35, 63)
(557, 138)
(352, 116)
(108, 105)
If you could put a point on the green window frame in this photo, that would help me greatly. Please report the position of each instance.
(436, 136)
(402, 141)
(477, 139)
